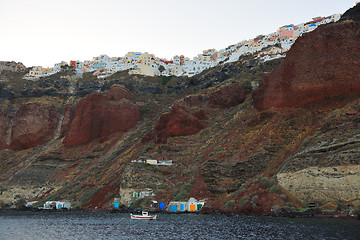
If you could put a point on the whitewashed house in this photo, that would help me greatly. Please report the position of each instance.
(287, 43)
(146, 66)
(176, 60)
(57, 205)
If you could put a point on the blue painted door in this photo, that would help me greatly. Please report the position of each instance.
(116, 205)
(173, 208)
(182, 207)
(162, 205)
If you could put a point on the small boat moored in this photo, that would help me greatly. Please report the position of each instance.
(143, 216)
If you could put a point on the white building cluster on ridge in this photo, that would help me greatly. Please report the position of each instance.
(268, 47)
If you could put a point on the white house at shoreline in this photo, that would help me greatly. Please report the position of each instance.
(52, 205)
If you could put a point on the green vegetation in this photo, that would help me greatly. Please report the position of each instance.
(274, 189)
(244, 200)
(189, 171)
(276, 209)
(265, 182)
(166, 79)
(141, 202)
(302, 210)
(254, 199)
(161, 68)
(289, 207)
(145, 110)
(199, 158)
(86, 197)
(247, 85)
(38, 204)
(229, 204)
(109, 196)
(183, 193)
(356, 211)
(238, 192)
(115, 182)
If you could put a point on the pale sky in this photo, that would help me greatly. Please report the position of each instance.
(44, 32)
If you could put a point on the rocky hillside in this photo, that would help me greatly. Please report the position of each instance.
(292, 141)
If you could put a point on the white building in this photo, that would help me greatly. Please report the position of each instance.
(192, 205)
(103, 58)
(57, 205)
(132, 56)
(146, 66)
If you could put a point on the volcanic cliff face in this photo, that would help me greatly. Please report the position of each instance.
(229, 96)
(4, 129)
(33, 124)
(178, 122)
(100, 115)
(327, 167)
(321, 65)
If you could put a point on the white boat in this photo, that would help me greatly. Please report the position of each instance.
(143, 216)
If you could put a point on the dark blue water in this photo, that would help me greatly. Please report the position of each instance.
(56, 226)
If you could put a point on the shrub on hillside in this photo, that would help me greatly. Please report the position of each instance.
(243, 201)
(229, 204)
(274, 189)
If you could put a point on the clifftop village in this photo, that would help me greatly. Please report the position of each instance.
(268, 47)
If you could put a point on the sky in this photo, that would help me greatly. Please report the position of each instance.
(45, 32)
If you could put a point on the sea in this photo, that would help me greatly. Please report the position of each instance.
(99, 225)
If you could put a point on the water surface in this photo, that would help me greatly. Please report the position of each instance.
(72, 225)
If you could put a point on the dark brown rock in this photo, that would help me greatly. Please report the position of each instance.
(68, 117)
(352, 14)
(228, 96)
(178, 122)
(321, 65)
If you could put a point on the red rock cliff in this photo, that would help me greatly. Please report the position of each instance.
(34, 124)
(178, 122)
(101, 114)
(228, 96)
(324, 63)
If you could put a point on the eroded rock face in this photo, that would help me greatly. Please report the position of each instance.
(5, 130)
(34, 124)
(338, 183)
(327, 165)
(220, 176)
(12, 66)
(101, 114)
(68, 117)
(323, 64)
(229, 96)
(178, 122)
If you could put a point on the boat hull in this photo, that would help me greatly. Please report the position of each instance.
(140, 217)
